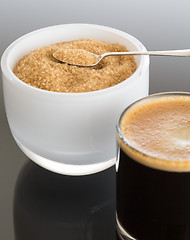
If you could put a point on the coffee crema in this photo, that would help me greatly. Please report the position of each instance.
(156, 132)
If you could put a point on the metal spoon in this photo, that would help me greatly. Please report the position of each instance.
(96, 59)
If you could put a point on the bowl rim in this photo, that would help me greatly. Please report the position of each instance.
(7, 71)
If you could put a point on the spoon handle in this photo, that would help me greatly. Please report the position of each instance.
(179, 53)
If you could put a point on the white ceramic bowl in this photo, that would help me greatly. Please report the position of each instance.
(69, 133)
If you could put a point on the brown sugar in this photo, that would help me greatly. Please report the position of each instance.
(41, 70)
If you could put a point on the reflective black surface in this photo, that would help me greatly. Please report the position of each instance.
(52, 206)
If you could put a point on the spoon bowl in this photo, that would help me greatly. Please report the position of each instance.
(77, 57)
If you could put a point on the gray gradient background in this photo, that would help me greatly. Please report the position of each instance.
(159, 25)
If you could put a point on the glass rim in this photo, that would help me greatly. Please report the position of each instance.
(124, 141)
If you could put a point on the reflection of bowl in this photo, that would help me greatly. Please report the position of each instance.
(53, 206)
(69, 133)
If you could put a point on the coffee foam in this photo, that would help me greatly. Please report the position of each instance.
(157, 132)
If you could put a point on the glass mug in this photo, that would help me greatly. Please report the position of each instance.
(153, 168)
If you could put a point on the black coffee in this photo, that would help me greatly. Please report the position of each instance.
(153, 204)
(153, 174)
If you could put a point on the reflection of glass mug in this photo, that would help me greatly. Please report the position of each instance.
(53, 128)
(153, 170)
